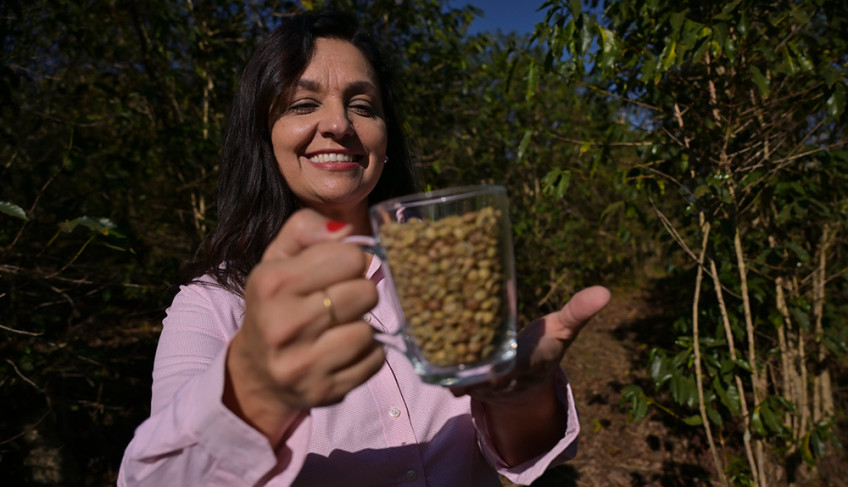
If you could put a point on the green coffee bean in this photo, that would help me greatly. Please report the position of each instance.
(449, 280)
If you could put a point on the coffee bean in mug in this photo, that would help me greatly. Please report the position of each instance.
(449, 272)
(454, 296)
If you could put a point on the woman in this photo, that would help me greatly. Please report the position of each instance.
(267, 372)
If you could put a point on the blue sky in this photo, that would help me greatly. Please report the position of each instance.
(506, 15)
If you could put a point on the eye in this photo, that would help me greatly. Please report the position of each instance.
(362, 108)
(302, 107)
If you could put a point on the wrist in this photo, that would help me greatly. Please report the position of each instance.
(528, 424)
(247, 397)
(536, 400)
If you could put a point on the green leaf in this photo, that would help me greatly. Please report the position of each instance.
(611, 208)
(14, 210)
(682, 389)
(757, 423)
(714, 416)
(634, 395)
(836, 101)
(639, 409)
(790, 65)
(694, 420)
(610, 49)
(556, 182)
(525, 142)
(817, 444)
(801, 58)
(586, 36)
(728, 8)
(722, 31)
(744, 24)
(676, 20)
(771, 418)
(761, 81)
(734, 400)
(729, 397)
(659, 370)
(532, 81)
(806, 450)
(667, 56)
(830, 75)
(649, 70)
(799, 251)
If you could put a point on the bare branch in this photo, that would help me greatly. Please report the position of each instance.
(20, 332)
(22, 376)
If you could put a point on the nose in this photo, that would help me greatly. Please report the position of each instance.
(335, 122)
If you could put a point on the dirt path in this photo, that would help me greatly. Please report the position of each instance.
(615, 451)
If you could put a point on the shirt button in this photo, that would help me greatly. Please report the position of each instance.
(367, 318)
(411, 475)
(395, 412)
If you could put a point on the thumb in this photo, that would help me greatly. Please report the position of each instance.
(566, 323)
(304, 228)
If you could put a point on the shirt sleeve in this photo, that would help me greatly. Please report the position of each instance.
(191, 438)
(526, 472)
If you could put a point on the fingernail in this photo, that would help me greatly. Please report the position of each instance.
(335, 225)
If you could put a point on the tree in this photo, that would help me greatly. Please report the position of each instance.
(741, 106)
(111, 117)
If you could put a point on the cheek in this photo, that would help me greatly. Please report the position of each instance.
(376, 136)
(288, 139)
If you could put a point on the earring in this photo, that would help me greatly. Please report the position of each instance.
(386, 160)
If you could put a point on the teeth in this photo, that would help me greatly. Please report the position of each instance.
(334, 157)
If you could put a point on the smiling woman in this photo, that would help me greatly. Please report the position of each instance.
(267, 369)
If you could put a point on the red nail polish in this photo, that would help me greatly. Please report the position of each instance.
(335, 225)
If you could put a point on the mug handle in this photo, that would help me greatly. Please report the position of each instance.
(391, 339)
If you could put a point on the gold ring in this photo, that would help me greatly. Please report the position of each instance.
(328, 303)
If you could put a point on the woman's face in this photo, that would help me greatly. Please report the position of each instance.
(330, 140)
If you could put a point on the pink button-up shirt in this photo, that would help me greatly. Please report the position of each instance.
(392, 430)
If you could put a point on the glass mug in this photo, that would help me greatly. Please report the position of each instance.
(449, 265)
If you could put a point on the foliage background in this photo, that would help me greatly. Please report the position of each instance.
(111, 116)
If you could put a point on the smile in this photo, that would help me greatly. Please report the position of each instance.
(332, 157)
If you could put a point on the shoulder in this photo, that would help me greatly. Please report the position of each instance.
(204, 299)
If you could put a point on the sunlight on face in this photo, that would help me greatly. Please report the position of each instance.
(330, 140)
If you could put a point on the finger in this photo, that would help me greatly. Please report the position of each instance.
(547, 338)
(340, 304)
(303, 319)
(304, 228)
(347, 345)
(320, 266)
(567, 322)
(350, 300)
(351, 357)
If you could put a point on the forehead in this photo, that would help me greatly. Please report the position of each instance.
(338, 60)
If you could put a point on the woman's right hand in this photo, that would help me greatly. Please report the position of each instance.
(291, 353)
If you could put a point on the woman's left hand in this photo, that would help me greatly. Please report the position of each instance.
(524, 415)
(541, 347)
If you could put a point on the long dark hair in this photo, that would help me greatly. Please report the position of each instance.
(253, 198)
